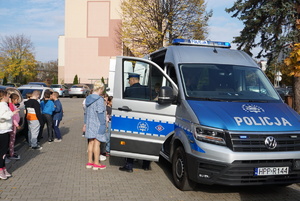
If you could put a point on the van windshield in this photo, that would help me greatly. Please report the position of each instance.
(226, 83)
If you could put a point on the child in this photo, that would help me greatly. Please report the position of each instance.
(84, 108)
(108, 120)
(25, 129)
(95, 125)
(14, 99)
(47, 109)
(103, 145)
(34, 117)
(5, 127)
(57, 116)
(28, 95)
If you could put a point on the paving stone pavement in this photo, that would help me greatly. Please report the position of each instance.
(57, 172)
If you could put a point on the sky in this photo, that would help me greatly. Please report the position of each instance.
(43, 22)
(222, 27)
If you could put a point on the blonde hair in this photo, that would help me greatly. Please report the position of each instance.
(11, 91)
(36, 93)
(3, 93)
(98, 85)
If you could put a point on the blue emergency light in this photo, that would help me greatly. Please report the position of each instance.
(179, 41)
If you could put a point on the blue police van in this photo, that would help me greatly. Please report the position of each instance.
(211, 112)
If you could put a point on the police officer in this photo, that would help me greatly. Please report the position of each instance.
(135, 90)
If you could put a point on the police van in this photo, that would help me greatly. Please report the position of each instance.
(208, 110)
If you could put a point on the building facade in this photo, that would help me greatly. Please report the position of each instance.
(91, 41)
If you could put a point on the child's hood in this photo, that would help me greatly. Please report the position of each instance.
(91, 99)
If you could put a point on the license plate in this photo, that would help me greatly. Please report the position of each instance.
(262, 171)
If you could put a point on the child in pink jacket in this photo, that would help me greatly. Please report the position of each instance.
(14, 99)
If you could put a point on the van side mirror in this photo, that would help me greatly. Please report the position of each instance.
(165, 95)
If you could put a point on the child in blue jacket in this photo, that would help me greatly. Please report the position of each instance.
(57, 116)
(47, 108)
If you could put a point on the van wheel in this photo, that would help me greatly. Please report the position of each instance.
(180, 171)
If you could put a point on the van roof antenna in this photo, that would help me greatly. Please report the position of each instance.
(215, 50)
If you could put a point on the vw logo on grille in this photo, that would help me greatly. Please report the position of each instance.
(270, 142)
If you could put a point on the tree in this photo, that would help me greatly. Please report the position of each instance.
(75, 81)
(17, 59)
(293, 67)
(47, 71)
(293, 61)
(270, 25)
(105, 85)
(148, 25)
(55, 80)
(4, 82)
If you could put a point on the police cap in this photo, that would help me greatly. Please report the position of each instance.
(133, 75)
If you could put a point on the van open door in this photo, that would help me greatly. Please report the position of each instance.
(140, 124)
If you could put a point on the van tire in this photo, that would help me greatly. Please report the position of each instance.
(180, 171)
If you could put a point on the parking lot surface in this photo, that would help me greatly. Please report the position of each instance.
(57, 172)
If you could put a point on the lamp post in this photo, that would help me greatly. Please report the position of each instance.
(278, 78)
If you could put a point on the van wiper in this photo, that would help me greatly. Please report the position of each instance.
(257, 101)
(211, 99)
(251, 101)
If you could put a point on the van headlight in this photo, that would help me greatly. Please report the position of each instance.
(208, 134)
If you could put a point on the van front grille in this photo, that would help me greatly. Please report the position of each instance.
(253, 142)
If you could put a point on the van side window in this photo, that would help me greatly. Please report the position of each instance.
(141, 81)
(172, 74)
(136, 80)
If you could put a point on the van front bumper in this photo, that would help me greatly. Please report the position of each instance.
(240, 172)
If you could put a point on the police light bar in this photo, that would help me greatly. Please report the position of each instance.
(179, 41)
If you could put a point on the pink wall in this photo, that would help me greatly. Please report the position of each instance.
(90, 57)
(110, 46)
(82, 59)
(98, 19)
